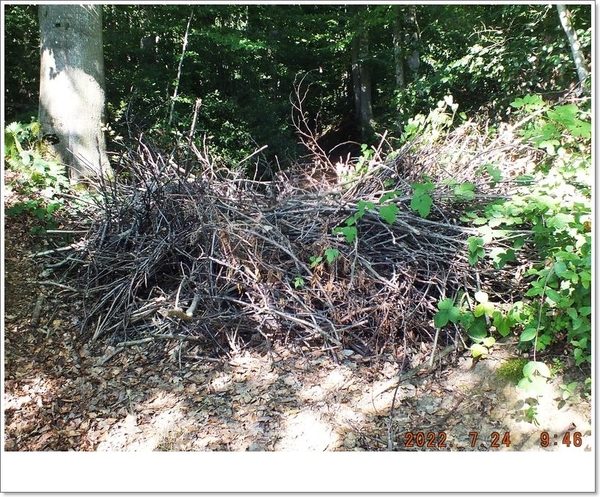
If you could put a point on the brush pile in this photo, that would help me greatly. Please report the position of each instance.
(227, 262)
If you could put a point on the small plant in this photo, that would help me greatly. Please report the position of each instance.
(531, 412)
(421, 200)
(568, 389)
(557, 366)
(330, 256)
(299, 282)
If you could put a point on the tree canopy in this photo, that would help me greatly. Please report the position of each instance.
(243, 60)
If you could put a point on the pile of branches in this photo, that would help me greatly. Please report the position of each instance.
(228, 262)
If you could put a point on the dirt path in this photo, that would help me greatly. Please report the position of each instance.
(61, 395)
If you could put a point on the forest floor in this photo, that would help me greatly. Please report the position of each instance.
(60, 395)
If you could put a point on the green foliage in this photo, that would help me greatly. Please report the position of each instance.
(549, 216)
(330, 256)
(476, 250)
(421, 200)
(39, 180)
(568, 389)
(531, 411)
(242, 59)
(448, 312)
(432, 127)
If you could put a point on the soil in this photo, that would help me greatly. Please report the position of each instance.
(63, 394)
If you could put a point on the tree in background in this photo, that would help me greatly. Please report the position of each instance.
(71, 107)
(581, 65)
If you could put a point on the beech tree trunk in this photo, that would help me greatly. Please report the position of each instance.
(71, 111)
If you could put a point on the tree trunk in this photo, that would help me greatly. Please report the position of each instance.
(398, 48)
(361, 82)
(581, 66)
(72, 87)
(414, 42)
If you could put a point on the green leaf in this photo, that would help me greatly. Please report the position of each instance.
(518, 243)
(363, 205)
(445, 304)
(478, 350)
(501, 323)
(315, 261)
(349, 232)
(388, 213)
(331, 254)
(534, 384)
(560, 268)
(440, 319)
(494, 172)
(501, 256)
(484, 308)
(478, 329)
(465, 191)
(533, 367)
(528, 335)
(553, 295)
(422, 204)
(445, 315)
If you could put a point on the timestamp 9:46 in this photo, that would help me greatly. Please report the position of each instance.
(568, 439)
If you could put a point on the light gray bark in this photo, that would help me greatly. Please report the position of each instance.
(72, 87)
(581, 66)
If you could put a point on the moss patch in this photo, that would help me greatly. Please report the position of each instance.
(512, 370)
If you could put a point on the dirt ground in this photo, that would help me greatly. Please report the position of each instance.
(64, 395)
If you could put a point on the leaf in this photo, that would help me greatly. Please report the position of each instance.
(478, 350)
(534, 385)
(364, 205)
(331, 254)
(481, 297)
(501, 323)
(478, 329)
(494, 172)
(315, 261)
(553, 295)
(349, 232)
(465, 191)
(422, 204)
(481, 309)
(388, 213)
(489, 341)
(445, 304)
(533, 367)
(448, 312)
(528, 334)
(440, 319)
(501, 256)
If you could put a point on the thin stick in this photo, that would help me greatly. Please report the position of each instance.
(176, 89)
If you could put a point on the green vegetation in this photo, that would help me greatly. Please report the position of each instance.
(41, 179)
